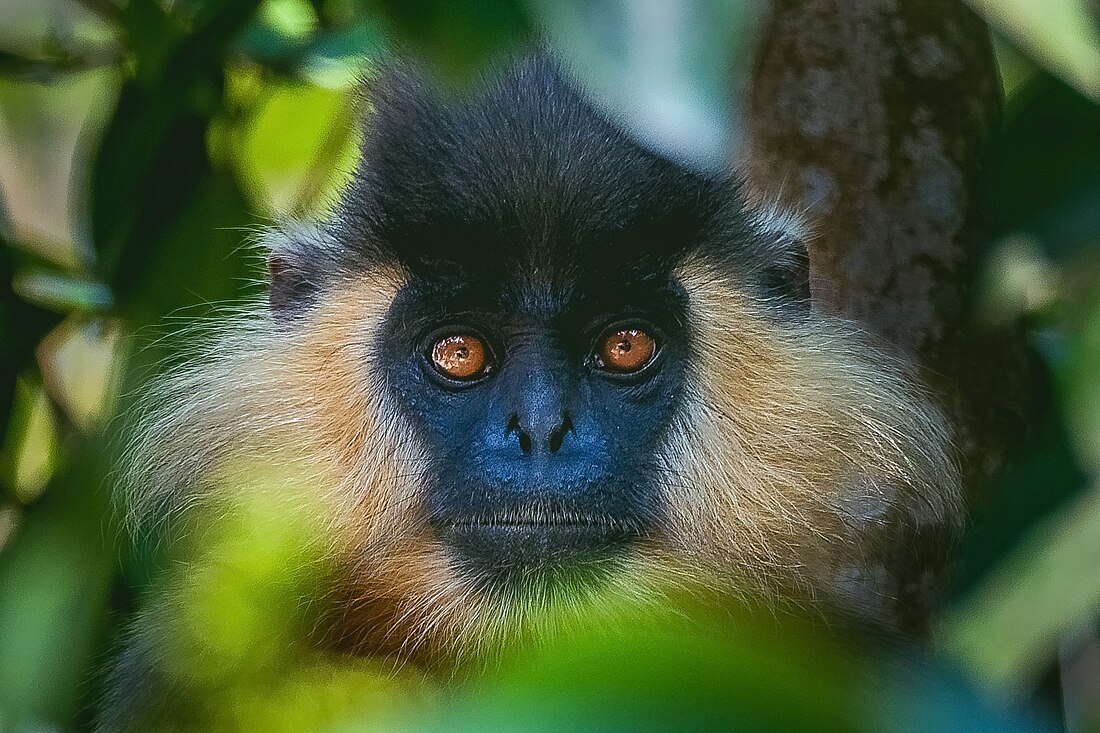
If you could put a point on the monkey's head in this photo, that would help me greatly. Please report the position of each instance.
(527, 362)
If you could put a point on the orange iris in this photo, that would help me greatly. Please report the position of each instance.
(461, 356)
(626, 351)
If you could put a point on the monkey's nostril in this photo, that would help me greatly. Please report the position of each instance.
(541, 438)
(522, 435)
(558, 435)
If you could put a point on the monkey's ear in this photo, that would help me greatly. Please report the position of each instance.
(295, 266)
(283, 281)
(784, 234)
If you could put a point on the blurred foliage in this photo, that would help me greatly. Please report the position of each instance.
(1062, 35)
(143, 143)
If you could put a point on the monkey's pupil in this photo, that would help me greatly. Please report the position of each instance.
(462, 353)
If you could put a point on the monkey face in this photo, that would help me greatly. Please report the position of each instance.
(528, 359)
(538, 341)
(541, 407)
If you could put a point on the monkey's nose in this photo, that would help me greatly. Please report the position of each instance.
(540, 433)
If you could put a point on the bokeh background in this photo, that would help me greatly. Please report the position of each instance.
(144, 144)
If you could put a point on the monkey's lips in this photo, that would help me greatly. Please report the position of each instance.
(511, 548)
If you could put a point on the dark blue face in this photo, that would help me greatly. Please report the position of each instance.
(541, 408)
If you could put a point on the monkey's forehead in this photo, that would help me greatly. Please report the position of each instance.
(575, 305)
(523, 179)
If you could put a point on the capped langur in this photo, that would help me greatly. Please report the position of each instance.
(526, 362)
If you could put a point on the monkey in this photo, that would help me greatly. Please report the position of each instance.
(525, 363)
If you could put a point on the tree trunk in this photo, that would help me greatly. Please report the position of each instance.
(870, 116)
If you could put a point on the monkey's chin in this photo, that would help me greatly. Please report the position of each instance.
(509, 556)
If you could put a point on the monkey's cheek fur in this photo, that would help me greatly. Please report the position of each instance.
(775, 421)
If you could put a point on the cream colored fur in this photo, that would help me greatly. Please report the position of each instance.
(799, 455)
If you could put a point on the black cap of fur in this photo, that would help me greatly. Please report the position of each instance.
(524, 177)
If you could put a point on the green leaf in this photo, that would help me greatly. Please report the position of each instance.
(55, 578)
(61, 293)
(295, 152)
(22, 325)
(1042, 172)
(1062, 35)
(294, 18)
(1007, 631)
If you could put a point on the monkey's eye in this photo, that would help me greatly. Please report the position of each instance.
(461, 356)
(624, 351)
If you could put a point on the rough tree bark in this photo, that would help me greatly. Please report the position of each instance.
(869, 116)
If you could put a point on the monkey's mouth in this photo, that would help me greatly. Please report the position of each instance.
(506, 549)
